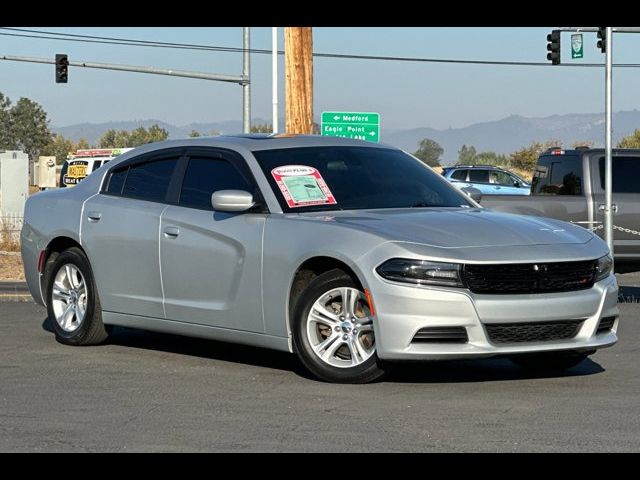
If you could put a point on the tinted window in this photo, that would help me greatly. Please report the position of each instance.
(460, 175)
(116, 181)
(479, 176)
(205, 176)
(357, 178)
(558, 175)
(149, 181)
(96, 165)
(625, 174)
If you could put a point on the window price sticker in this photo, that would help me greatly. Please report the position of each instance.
(302, 186)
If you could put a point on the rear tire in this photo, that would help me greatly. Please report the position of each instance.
(552, 361)
(334, 342)
(72, 300)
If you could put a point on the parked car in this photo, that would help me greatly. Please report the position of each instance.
(488, 179)
(84, 162)
(569, 185)
(350, 254)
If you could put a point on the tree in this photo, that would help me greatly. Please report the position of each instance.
(83, 143)
(491, 158)
(59, 147)
(466, 155)
(29, 127)
(6, 142)
(630, 141)
(194, 134)
(429, 151)
(134, 138)
(261, 128)
(527, 157)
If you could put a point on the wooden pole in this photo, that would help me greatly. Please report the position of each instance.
(298, 59)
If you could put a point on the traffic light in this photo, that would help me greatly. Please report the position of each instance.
(553, 46)
(62, 68)
(602, 36)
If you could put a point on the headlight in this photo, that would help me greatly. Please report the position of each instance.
(603, 267)
(421, 272)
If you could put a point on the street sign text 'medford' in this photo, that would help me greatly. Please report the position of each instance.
(359, 125)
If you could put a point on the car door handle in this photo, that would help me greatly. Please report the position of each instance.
(171, 232)
(614, 207)
(94, 216)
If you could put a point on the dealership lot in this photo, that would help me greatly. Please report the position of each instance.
(156, 392)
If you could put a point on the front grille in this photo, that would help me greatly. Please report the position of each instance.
(532, 332)
(441, 335)
(530, 277)
(606, 324)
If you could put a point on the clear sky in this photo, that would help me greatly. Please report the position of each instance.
(406, 94)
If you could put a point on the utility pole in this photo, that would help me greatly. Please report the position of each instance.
(298, 58)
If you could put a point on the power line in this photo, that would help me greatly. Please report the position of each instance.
(48, 35)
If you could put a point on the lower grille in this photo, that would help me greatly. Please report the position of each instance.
(606, 324)
(441, 335)
(533, 332)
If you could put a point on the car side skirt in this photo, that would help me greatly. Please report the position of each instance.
(197, 330)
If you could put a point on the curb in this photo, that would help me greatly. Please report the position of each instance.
(14, 292)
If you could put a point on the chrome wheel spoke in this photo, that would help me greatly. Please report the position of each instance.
(60, 294)
(319, 317)
(365, 328)
(349, 300)
(322, 314)
(69, 271)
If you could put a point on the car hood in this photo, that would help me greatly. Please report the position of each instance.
(458, 227)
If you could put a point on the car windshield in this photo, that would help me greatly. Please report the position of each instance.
(353, 178)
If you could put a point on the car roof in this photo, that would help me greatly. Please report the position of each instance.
(254, 142)
(475, 166)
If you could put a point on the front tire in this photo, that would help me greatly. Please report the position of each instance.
(549, 362)
(72, 301)
(333, 330)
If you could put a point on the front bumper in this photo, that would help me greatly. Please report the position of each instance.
(402, 310)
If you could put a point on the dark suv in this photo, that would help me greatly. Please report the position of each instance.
(488, 179)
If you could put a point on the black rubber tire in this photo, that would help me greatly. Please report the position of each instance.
(369, 371)
(92, 331)
(552, 361)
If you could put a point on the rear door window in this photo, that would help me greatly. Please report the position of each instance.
(149, 180)
(479, 176)
(626, 171)
(558, 175)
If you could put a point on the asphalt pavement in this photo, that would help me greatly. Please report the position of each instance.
(155, 392)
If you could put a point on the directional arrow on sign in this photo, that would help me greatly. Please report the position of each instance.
(336, 117)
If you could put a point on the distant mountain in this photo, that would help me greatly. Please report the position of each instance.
(515, 131)
(501, 136)
(93, 131)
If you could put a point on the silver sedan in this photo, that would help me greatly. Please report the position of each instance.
(350, 254)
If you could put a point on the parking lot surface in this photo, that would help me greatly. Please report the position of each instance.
(155, 392)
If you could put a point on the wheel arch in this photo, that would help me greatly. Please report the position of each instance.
(307, 271)
(56, 246)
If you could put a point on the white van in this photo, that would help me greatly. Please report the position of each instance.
(81, 163)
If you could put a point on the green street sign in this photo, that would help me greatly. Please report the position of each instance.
(577, 49)
(359, 125)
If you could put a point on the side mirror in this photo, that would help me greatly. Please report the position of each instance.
(232, 200)
(517, 184)
(474, 193)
